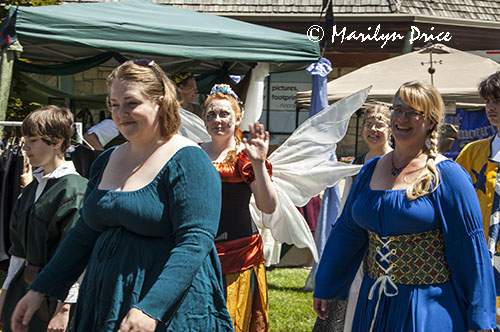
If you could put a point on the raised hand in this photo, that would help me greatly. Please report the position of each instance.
(257, 144)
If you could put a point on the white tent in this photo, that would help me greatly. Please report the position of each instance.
(457, 75)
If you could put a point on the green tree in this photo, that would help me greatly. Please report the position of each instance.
(29, 3)
(17, 109)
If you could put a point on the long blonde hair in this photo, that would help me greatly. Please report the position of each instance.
(425, 98)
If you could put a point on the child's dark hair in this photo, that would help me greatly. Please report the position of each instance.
(490, 87)
(51, 123)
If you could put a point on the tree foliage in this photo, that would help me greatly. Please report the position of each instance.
(17, 109)
(4, 4)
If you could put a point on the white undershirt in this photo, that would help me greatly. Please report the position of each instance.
(105, 131)
(495, 149)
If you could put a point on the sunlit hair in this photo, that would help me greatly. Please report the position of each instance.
(52, 124)
(182, 80)
(425, 98)
(231, 155)
(379, 112)
(159, 91)
(490, 87)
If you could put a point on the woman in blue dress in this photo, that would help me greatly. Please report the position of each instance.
(147, 226)
(415, 215)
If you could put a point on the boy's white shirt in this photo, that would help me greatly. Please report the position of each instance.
(495, 149)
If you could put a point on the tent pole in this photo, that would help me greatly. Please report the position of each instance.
(268, 103)
(7, 57)
(358, 114)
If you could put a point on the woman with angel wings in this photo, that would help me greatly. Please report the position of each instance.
(244, 171)
(300, 170)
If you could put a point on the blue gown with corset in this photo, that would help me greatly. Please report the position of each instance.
(466, 302)
(151, 248)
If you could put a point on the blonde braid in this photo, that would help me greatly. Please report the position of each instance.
(428, 180)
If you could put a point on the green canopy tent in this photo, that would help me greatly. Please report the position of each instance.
(80, 36)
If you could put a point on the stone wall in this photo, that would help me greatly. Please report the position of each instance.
(92, 81)
(347, 146)
(87, 83)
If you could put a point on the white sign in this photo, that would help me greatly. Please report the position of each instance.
(450, 107)
(284, 95)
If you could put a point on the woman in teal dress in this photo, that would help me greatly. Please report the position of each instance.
(416, 216)
(147, 226)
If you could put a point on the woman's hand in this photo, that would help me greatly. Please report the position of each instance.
(60, 320)
(258, 143)
(24, 311)
(320, 308)
(137, 321)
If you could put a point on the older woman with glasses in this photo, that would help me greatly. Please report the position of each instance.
(147, 226)
(415, 215)
(377, 134)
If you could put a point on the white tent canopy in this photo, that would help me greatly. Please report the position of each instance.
(457, 75)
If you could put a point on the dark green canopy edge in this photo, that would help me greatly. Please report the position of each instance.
(65, 33)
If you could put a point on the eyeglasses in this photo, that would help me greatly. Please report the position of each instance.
(147, 62)
(378, 126)
(410, 113)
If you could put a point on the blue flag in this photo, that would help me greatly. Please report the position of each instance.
(331, 199)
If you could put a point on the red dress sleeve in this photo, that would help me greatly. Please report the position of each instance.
(244, 166)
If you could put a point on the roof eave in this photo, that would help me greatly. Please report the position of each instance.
(388, 17)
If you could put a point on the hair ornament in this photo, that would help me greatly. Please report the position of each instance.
(225, 90)
(179, 78)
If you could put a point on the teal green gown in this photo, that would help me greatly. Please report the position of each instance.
(151, 248)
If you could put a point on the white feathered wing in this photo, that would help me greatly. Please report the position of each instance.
(302, 170)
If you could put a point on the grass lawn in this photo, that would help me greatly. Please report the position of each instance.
(290, 307)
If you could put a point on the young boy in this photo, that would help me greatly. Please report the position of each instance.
(43, 214)
(481, 159)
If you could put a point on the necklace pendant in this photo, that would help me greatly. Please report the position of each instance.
(396, 171)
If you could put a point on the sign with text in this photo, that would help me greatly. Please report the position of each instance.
(283, 95)
(472, 125)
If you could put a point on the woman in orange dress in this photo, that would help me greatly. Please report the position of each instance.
(244, 171)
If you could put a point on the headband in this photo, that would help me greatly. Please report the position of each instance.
(225, 90)
(179, 78)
